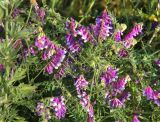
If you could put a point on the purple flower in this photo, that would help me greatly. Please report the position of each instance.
(59, 107)
(49, 52)
(40, 12)
(124, 96)
(42, 42)
(103, 26)
(85, 34)
(81, 83)
(135, 119)
(157, 98)
(90, 110)
(158, 63)
(60, 73)
(120, 84)
(115, 103)
(72, 45)
(84, 99)
(85, 102)
(90, 119)
(122, 53)
(40, 109)
(2, 68)
(109, 76)
(128, 39)
(16, 12)
(32, 50)
(71, 27)
(49, 69)
(56, 60)
(149, 93)
(118, 35)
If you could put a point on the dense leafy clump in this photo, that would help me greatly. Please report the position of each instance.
(91, 65)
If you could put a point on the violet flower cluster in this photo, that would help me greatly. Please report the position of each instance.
(40, 12)
(152, 95)
(51, 52)
(116, 95)
(78, 34)
(58, 106)
(81, 84)
(103, 27)
(128, 40)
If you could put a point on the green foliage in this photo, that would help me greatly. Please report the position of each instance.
(23, 82)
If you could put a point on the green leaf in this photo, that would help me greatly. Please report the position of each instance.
(19, 74)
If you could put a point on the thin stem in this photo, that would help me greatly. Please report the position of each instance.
(6, 23)
(89, 9)
(29, 14)
(154, 34)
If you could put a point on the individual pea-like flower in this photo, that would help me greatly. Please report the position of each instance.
(109, 76)
(157, 98)
(122, 53)
(115, 103)
(85, 34)
(40, 109)
(56, 60)
(40, 12)
(32, 51)
(118, 35)
(128, 39)
(59, 106)
(60, 73)
(124, 96)
(90, 119)
(42, 42)
(149, 93)
(135, 118)
(16, 12)
(84, 99)
(90, 110)
(103, 27)
(73, 46)
(158, 63)
(49, 69)
(81, 83)
(49, 52)
(71, 27)
(120, 84)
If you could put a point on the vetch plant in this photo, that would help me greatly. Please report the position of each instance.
(54, 68)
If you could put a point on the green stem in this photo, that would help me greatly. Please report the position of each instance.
(29, 14)
(6, 23)
(154, 34)
(89, 9)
